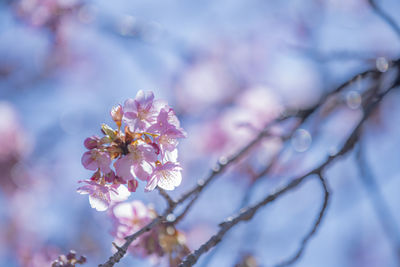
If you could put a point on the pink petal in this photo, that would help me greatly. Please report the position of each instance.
(123, 168)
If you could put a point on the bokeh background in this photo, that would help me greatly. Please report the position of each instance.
(227, 68)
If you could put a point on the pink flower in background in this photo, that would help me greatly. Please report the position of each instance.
(162, 240)
(136, 163)
(167, 176)
(129, 218)
(14, 141)
(133, 216)
(95, 159)
(101, 196)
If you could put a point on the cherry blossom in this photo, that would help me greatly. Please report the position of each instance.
(142, 147)
(94, 159)
(136, 162)
(141, 111)
(101, 196)
(167, 176)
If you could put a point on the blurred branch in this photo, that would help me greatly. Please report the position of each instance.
(247, 214)
(382, 210)
(302, 114)
(314, 229)
(167, 198)
(389, 20)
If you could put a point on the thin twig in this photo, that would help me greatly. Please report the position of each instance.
(314, 229)
(389, 20)
(167, 198)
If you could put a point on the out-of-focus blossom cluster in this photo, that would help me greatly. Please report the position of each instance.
(34, 257)
(247, 260)
(144, 148)
(14, 146)
(44, 12)
(238, 124)
(68, 260)
(162, 241)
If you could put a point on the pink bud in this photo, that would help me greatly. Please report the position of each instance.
(116, 114)
(91, 142)
(96, 176)
(132, 185)
(110, 177)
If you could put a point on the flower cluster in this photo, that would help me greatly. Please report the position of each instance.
(162, 240)
(144, 147)
(68, 260)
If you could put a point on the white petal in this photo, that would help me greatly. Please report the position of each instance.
(151, 184)
(123, 194)
(171, 155)
(100, 204)
(123, 210)
(170, 180)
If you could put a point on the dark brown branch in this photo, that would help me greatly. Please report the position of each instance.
(389, 20)
(167, 198)
(314, 229)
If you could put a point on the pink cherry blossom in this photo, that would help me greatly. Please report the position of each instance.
(94, 159)
(141, 111)
(137, 162)
(167, 124)
(168, 128)
(101, 196)
(144, 148)
(167, 176)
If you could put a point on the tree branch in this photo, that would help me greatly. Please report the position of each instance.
(389, 20)
(168, 199)
(314, 229)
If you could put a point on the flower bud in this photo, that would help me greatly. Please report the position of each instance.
(116, 114)
(108, 131)
(109, 177)
(91, 142)
(132, 185)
